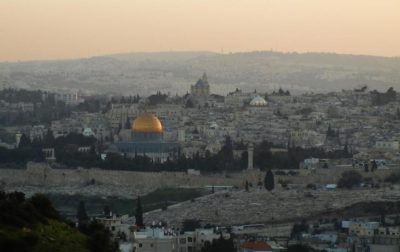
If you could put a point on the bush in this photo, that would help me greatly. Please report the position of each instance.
(284, 182)
(311, 187)
(350, 179)
(393, 178)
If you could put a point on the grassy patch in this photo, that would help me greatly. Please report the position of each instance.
(68, 204)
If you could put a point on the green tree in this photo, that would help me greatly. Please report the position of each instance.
(44, 206)
(48, 140)
(127, 124)
(300, 248)
(99, 238)
(139, 213)
(219, 245)
(269, 182)
(374, 165)
(190, 225)
(299, 228)
(24, 142)
(226, 153)
(81, 214)
(106, 211)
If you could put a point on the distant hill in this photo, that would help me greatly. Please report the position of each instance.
(174, 72)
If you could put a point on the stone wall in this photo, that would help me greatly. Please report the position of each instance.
(41, 174)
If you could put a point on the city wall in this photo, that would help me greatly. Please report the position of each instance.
(42, 175)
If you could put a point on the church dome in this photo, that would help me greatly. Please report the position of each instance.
(258, 101)
(147, 123)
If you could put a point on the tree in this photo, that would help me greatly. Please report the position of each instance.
(226, 152)
(127, 124)
(99, 238)
(349, 179)
(300, 248)
(81, 214)
(33, 224)
(299, 228)
(219, 245)
(24, 142)
(374, 165)
(366, 167)
(107, 211)
(44, 206)
(379, 99)
(190, 225)
(269, 182)
(346, 149)
(139, 213)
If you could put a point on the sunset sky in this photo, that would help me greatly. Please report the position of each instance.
(53, 29)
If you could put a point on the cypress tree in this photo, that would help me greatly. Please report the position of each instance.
(81, 214)
(24, 142)
(127, 124)
(107, 211)
(48, 140)
(269, 182)
(139, 213)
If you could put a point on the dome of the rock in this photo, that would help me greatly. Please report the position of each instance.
(147, 123)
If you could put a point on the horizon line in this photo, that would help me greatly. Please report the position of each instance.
(196, 51)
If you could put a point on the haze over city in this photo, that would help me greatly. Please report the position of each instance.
(59, 29)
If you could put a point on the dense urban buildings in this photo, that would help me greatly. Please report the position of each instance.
(246, 158)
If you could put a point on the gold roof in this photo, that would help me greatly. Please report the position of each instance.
(147, 123)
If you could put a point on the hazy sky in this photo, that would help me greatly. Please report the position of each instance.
(49, 29)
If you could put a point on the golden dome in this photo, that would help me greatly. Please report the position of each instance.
(147, 123)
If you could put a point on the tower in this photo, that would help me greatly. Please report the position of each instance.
(250, 150)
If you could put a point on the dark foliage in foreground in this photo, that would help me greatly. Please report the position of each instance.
(219, 245)
(33, 224)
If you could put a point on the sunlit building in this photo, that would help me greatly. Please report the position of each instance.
(146, 139)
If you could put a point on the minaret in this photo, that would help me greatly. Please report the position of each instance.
(250, 150)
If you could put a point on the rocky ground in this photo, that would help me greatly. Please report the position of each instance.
(261, 206)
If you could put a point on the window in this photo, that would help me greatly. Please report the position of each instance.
(190, 239)
(140, 245)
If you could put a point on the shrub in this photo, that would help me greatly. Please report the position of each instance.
(349, 179)
(393, 178)
(311, 187)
